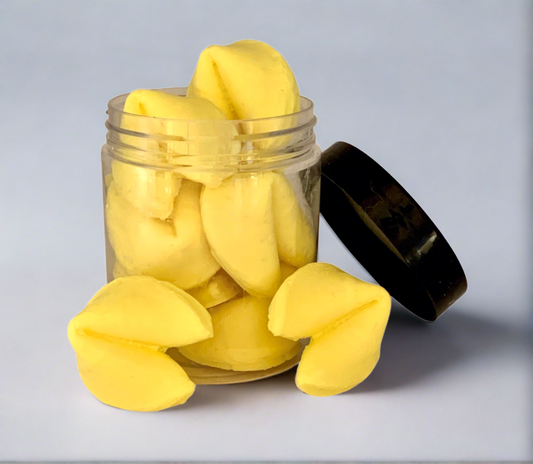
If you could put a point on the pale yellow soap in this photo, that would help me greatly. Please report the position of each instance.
(150, 191)
(200, 124)
(197, 126)
(333, 293)
(286, 270)
(251, 222)
(295, 235)
(345, 355)
(345, 318)
(176, 250)
(241, 340)
(166, 106)
(130, 376)
(238, 222)
(249, 80)
(121, 336)
(219, 289)
(119, 270)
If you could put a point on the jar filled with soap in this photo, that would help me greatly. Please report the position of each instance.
(211, 200)
(215, 189)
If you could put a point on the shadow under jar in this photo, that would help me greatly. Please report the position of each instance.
(223, 209)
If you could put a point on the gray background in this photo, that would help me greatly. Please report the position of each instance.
(437, 92)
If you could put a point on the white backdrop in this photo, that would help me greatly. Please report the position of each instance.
(437, 92)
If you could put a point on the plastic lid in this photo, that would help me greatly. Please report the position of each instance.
(388, 232)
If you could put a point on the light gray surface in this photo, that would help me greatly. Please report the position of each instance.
(437, 92)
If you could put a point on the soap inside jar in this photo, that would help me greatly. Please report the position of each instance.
(223, 209)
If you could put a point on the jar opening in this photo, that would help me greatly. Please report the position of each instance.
(206, 144)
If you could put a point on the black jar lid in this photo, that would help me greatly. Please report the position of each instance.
(389, 233)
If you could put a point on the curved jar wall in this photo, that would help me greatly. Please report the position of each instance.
(225, 210)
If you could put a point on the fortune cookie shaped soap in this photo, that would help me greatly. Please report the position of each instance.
(249, 80)
(239, 225)
(120, 340)
(155, 115)
(246, 80)
(152, 192)
(345, 318)
(241, 340)
(295, 237)
(219, 289)
(176, 251)
(252, 221)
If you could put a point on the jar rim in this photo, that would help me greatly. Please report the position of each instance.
(116, 105)
(240, 144)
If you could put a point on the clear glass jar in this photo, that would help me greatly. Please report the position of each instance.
(225, 210)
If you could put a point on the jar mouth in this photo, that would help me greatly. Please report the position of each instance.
(243, 144)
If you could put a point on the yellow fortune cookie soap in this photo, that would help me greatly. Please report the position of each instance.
(247, 79)
(295, 236)
(252, 221)
(121, 336)
(345, 318)
(238, 222)
(151, 191)
(154, 116)
(219, 289)
(241, 340)
(176, 251)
